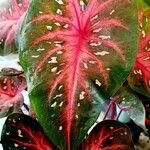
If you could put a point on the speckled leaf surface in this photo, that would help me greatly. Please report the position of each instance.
(139, 78)
(109, 135)
(12, 83)
(21, 132)
(74, 60)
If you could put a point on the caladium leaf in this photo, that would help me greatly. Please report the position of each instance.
(139, 78)
(129, 102)
(21, 132)
(108, 135)
(12, 83)
(11, 15)
(74, 59)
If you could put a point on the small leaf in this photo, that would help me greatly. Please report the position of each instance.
(108, 135)
(21, 132)
(12, 83)
(128, 101)
(12, 13)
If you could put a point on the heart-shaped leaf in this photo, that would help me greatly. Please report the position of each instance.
(139, 78)
(21, 132)
(74, 59)
(12, 83)
(130, 103)
(11, 15)
(108, 135)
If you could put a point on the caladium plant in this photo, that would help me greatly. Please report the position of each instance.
(23, 132)
(74, 59)
(12, 83)
(12, 13)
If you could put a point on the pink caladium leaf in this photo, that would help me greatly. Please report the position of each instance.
(12, 13)
(109, 135)
(21, 132)
(139, 78)
(74, 59)
(12, 83)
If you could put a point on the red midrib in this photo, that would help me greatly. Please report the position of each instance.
(142, 67)
(72, 86)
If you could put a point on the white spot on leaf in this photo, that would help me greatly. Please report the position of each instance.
(97, 82)
(102, 53)
(66, 26)
(54, 69)
(60, 128)
(53, 60)
(59, 12)
(112, 12)
(35, 56)
(40, 49)
(59, 95)
(54, 104)
(85, 65)
(60, 2)
(16, 145)
(104, 37)
(49, 27)
(57, 24)
(81, 96)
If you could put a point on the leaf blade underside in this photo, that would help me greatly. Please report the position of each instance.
(70, 71)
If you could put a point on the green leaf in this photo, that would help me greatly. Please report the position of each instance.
(128, 101)
(74, 60)
(139, 78)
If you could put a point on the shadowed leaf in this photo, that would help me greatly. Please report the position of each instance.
(108, 135)
(21, 132)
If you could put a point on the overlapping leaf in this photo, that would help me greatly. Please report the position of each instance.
(130, 103)
(139, 78)
(12, 83)
(108, 135)
(74, 60)
(146, 103)
(21, 132)
(11, 15)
